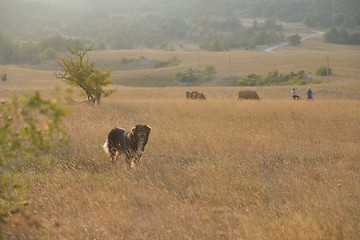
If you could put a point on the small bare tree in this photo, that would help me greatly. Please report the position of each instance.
(79, 71)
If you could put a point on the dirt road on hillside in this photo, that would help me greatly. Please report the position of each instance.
(272, 48)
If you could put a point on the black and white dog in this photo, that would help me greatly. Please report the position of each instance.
(129, 144)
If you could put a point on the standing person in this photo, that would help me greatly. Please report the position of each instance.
(294, 94)
(309, 94)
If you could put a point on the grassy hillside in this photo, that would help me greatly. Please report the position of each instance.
(215, 169)
(228, 169)
(311, 55)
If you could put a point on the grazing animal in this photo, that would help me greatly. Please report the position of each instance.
(195, 95)
(200, 96)
(129, 144)
(188, 95)
(191, 95)
(248, 94)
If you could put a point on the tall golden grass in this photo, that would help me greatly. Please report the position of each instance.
(215, 169)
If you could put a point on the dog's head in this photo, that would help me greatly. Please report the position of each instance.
(141, 135)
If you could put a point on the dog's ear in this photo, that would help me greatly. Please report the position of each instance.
(133, 130)
(148, 128)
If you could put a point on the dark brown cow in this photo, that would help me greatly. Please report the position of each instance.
(129, 144)
(248, 94)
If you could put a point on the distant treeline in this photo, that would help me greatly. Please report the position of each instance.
(267, 32)
(215, 25)
(341, 36)
(14, 51)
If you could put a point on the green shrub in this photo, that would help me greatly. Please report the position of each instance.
(187, 76)
(274, 78)
(322, 71)
(29, 127)
(209, 72)
(50, 54)
(250, 80)
(173, 61)
(294, 40)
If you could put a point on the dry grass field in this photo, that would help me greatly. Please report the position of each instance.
(215, 169)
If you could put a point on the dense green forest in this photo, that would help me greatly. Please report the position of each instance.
(118, 24)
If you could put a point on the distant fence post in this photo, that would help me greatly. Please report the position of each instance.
(229, 64)
(327, 68)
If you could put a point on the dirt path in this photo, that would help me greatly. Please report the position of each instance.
(270, 49)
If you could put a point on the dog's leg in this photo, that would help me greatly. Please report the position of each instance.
(136, 161)
(137, 158)
(112, 152)
(133, 163)
(129, 161)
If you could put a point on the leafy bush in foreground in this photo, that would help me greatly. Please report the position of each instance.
(29, 127)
